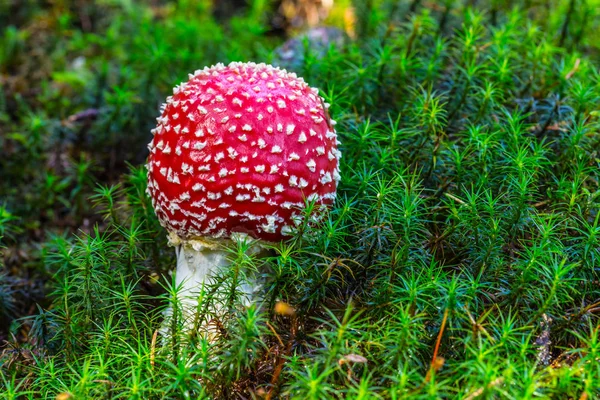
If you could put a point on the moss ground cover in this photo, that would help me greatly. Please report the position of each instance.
(461, 259)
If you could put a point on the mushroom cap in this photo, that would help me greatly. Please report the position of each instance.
(241, 148)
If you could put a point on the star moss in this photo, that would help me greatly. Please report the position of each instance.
(460, 259)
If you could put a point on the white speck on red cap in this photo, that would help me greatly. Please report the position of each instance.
(249, 178)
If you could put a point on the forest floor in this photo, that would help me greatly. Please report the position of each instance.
(460, 260)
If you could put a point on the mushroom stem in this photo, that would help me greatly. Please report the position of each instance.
(194, 269)
(198, 261)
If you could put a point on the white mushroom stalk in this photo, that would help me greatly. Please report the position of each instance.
(198, 263)
(237, 152)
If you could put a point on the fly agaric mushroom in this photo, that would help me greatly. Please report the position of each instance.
(237, 151)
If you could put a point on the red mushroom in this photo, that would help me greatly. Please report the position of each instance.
(237, 151)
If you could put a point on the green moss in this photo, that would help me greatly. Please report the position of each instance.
(461, 259)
